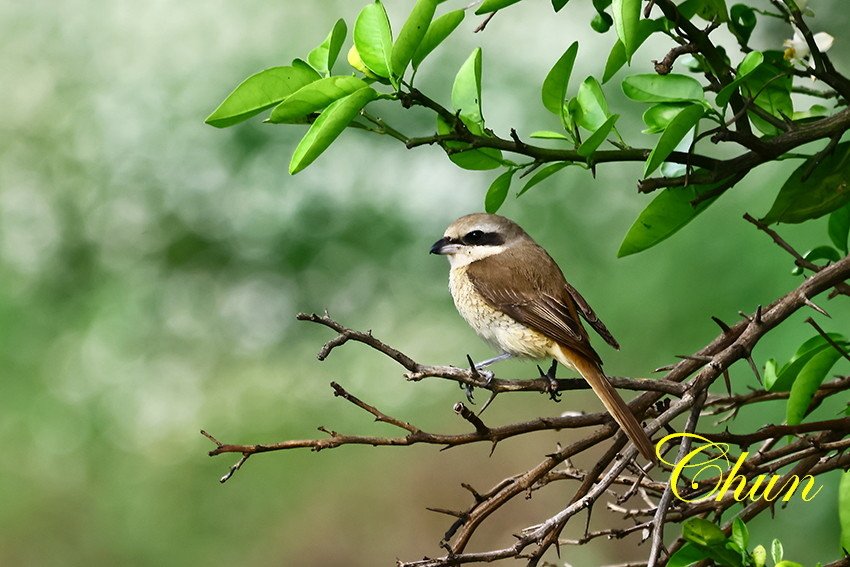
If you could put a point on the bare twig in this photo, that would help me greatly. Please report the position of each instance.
(664, 503)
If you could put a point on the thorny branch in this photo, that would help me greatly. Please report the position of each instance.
(816, 446)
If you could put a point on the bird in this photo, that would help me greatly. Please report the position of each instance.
(516, 298)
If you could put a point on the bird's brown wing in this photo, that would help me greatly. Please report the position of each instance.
(590, 316)
(528, 286)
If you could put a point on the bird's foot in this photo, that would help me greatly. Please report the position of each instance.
(552, 390)
(468, 389)
(478, 371)
(487, 375)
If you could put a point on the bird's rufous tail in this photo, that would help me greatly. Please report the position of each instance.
(612, 401)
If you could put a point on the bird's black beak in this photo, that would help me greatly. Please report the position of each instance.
(438, 246)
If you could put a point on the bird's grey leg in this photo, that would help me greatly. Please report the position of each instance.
(485, 363)
(553, 382)
(487, 374)
(479, 370)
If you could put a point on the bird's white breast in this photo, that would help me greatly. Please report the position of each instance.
(495, 327)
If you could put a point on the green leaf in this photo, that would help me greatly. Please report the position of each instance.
(626, 14)
(839, 228)
(558, 4)
(466, 91)
(617, 57)
(844, 509)
(544, 173)
(771, 373)
(782, 380)
(328, 126)
(595, 140)
(684, 122)
(259, 92)
(747, 66)
(776, 550)
(825, 190)
(786, 563)
(814, 111)
(314, 97)
(616, 60)
(492, 5)
(770, 85)
(662, 88)
(740, 534)
(659, 116)
(708, 10)
(742, 22)
(666, 214)
(592, 111)
(548, 135)
(476, 159)
(702, 532)
(759, 556)
(411, 35)
(601, 22)
(323, 57)
(808, 381)
(554, 89)
(373, 38)
(437, 32)
(498, 191)
(686, 555)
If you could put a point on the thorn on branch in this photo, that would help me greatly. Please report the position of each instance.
(330, 432)
(817, 308)
(727, 381)
(721, 324)
(515, 137)
(486, 21)
(218, 443)
(447, 512)
(696, 357)
(475, 494)
(828, 338)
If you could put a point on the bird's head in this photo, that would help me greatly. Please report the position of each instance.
(477, 236)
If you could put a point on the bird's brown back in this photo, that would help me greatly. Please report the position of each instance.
(524, 282)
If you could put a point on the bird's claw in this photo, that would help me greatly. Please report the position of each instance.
(486, 374)
(552, 389)
(468, 389)
(477, 373)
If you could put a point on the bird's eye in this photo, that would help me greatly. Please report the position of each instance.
(473, 237)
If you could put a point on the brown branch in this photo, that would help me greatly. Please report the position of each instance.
(664, 66)
(802, 133)
(778, 431)
(415, 97)
(695, 374)
(738, 401)
(726, 349)
(664, 503)
(799, 260)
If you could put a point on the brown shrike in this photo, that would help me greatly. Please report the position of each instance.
(516, 298)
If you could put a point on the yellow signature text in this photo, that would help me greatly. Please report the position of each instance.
(707, 471)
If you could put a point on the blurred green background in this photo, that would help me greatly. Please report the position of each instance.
(151, 268)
